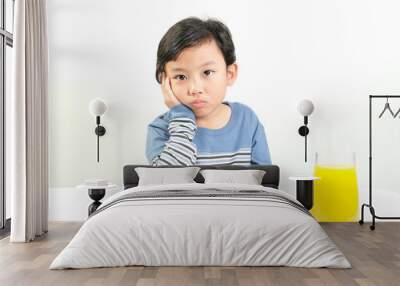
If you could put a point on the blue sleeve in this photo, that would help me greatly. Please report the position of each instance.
(259, 150)
(169, 141)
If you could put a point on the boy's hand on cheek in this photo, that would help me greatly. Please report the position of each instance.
(169, 96)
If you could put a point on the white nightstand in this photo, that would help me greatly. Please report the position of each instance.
(96, 193)
(305, 190)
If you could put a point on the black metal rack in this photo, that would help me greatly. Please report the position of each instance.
(369, 205)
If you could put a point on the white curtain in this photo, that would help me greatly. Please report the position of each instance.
(27, 123)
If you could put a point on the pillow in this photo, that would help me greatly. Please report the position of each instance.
(249, 177)
(162, 176)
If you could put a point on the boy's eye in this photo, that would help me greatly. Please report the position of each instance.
(208, 72)
(180, 77)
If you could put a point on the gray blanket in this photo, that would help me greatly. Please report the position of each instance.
(201, 224)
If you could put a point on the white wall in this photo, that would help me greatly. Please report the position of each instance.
(335, 53)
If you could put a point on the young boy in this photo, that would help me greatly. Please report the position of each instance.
(195, 65)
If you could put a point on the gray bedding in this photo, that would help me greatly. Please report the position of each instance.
(201, 224)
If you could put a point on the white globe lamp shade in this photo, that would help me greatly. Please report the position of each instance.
(305, 107)
(97, 107)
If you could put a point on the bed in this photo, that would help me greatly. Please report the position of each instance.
(201, 224)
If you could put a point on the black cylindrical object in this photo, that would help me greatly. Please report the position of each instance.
(305, 193)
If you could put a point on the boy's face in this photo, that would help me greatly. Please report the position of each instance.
(199, 77)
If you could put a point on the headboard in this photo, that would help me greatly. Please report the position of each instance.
(270, 179)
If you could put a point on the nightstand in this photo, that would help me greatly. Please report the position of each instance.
(305, 190)
(96, 193)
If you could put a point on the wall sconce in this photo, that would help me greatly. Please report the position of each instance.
(305, 108)
(97, 108)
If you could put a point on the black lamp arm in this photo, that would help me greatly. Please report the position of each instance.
(99, 131)
(303, 131)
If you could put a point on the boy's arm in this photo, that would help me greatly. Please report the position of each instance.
(173, 146)
(259, 150)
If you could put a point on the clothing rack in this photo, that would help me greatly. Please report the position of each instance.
(369, 205)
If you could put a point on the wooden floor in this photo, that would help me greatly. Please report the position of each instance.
(375, 256)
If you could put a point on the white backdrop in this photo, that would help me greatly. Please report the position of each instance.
(335, 53)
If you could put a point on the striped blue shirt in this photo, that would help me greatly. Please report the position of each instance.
(174, 139)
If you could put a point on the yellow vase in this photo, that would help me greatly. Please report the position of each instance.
(336, 194)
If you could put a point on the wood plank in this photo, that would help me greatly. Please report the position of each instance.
(375, 257)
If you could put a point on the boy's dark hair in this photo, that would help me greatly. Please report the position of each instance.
(191, 32)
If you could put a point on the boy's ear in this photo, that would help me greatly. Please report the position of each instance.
(231, 73)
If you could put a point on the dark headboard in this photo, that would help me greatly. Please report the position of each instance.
(270, 179)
